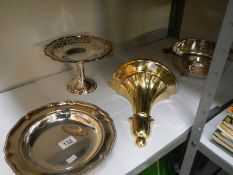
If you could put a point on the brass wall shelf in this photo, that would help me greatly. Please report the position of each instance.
(143, 82)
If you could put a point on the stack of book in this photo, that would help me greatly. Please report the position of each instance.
(223, 135)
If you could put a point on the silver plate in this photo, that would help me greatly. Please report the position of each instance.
(60, 138)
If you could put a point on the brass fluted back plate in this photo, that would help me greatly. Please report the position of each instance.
(60, 138)
(78, 48)
(147, 76)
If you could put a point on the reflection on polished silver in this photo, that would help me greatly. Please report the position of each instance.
(193, 57)
(143, 82)
(60, 138)
(194, 46)
(81, 84)
(79, 49)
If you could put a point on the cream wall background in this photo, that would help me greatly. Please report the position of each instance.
(28, 25)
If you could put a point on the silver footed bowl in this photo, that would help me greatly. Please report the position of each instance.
(192, 57)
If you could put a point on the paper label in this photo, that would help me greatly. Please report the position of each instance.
(67, 142)
(71, 159)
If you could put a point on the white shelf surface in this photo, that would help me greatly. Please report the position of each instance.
(211, 149)
(173, 117)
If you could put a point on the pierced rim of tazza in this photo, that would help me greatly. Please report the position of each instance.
(48, 49)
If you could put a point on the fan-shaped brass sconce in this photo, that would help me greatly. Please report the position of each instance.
(143, 82)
